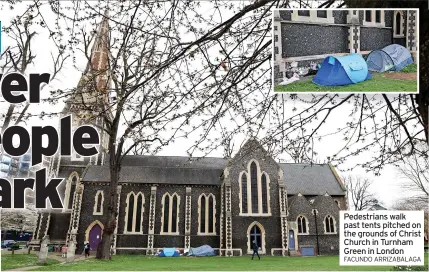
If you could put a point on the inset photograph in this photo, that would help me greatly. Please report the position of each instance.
(345, 50)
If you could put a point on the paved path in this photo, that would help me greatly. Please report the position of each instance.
(24, 268)
(51, 255)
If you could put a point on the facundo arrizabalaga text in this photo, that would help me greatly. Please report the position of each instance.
(84, 141)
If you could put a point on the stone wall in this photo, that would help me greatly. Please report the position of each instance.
(307, 40)
(325, 205)
(375, 38)
(241, 224)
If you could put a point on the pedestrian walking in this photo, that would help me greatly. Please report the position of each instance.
(255, 250)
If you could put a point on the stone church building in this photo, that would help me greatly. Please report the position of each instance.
(302, 37)
(227, 203)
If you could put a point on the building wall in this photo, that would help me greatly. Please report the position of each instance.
(298, 39)
(306, 40)
(58, 226)
(325, 205)
(86, 215)
(240, 224)
(375, 38)
(199, 240)
(133, 240)
(271, 223)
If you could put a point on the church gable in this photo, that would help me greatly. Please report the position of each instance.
(253, 174)
(325, 203)
(252, 149)
(328, 212)
(299, 204)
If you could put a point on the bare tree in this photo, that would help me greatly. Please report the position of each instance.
(176, 72)
(166, 87)
(20, 55)
(415, 171)
(358, 192)
(170, 87)
(409, 204)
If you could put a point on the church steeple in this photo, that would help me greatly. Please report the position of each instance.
(100, 55)
(91, 95)
(89, 101)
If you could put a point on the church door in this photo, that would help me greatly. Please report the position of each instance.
(255, 235)
(95, 236)
(291, 240)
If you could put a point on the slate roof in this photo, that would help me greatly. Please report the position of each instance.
(299, 178)
(315, 179)
(163, 170)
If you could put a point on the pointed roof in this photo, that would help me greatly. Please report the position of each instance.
(97, 67)
(298, 178)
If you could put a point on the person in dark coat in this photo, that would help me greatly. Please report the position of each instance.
(87, 248)
(255, 250)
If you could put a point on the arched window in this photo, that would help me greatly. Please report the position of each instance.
(264, 193)
(134, 213)
(256, 234)
(329, 224)
(68, 198)
(98, 203)
(302, 225)
(255, 191)
(166, 216)
(244, 193)
(398, 24)
(254, 187)
(206, 214)
(170, 214)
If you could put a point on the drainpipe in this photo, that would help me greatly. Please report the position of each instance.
(317, 232)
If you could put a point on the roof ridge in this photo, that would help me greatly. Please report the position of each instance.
(160, 167)
(175, 156)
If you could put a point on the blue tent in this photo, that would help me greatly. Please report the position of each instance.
(201, 251)
(169, 252)
(393, 57)
(339, 71)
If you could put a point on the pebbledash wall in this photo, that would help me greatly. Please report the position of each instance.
(307, 36)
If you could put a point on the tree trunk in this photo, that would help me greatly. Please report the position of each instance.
(4, 235)
(103, 251)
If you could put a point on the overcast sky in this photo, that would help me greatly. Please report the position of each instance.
(386, 186)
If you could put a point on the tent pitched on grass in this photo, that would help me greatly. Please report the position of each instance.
(393, 57)
(202, 251)
(340, 71)
(169, 252)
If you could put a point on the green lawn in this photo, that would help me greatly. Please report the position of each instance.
(135, 262)
(9, 261)
(140, 262)
(412, 68)
(378, 83)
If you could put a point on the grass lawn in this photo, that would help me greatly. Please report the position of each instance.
(136, 262)
(379, 83)
(9, 261)
(412, 68)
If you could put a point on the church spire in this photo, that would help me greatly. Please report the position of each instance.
(99, 61)
(92, 90)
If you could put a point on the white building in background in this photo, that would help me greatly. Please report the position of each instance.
(18, 167)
